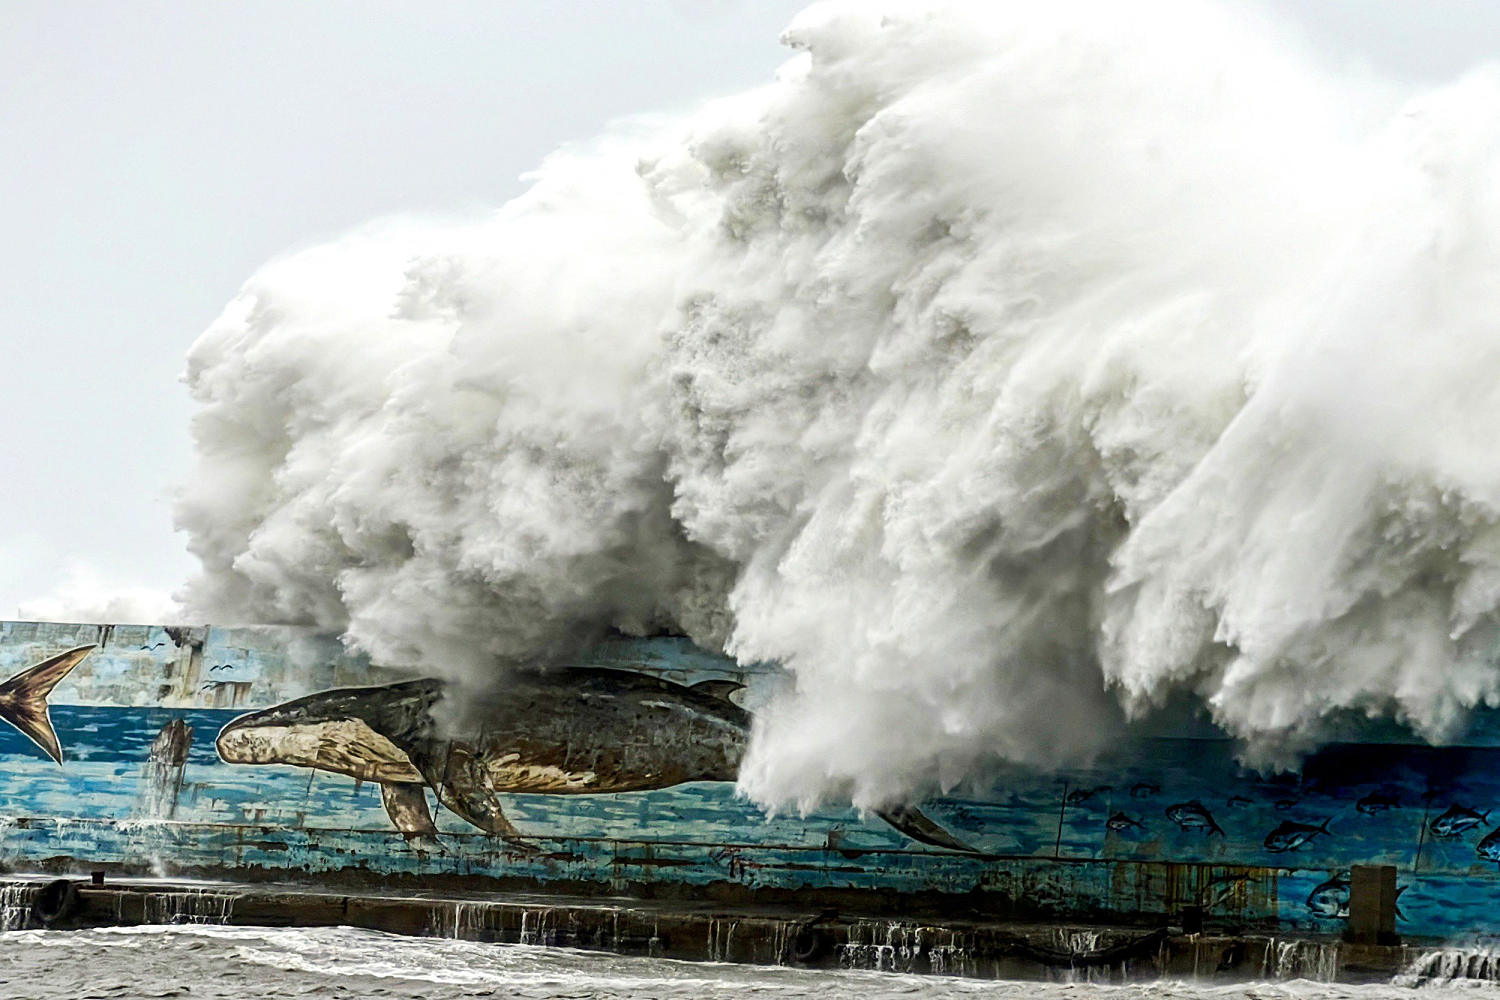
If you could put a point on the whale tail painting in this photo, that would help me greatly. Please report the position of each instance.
(23, 698)
(574, 731)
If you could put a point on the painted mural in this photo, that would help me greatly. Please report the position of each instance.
(274, 752)
(564, 731)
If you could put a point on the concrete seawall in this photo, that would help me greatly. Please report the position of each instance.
(1166, 830)
(709, 932)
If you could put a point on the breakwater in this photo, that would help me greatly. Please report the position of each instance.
(827, 938)
(321, 784)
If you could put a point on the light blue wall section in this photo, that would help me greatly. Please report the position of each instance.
(187, 667)
(1110, 841)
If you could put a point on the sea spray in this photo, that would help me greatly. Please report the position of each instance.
(1001, 372)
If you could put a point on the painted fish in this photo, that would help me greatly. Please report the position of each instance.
(23, 698)
(1377, 802)
(1193, 816)
(1235, 801)
(1282, 805)
(575, 731)
(1291, 836)
(1078, 796)
(1457, 820)
(1489, 847)
(1144, 790)
(1220, 889)
(1331, 899)
(1120, 822)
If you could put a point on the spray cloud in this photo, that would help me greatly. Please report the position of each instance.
(993, 369)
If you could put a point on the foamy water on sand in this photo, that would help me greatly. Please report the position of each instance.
(239, 963)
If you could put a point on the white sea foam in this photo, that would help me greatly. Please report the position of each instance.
(240, 963)
(994, 369)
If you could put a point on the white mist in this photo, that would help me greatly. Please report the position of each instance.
(992, 369)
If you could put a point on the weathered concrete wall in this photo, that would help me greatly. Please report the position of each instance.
(703, 931)
(1163, 826)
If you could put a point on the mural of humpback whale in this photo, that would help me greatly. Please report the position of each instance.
(571, 731)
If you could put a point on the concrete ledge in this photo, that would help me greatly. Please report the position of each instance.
(713, 932)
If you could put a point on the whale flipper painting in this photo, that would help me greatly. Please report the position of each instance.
(573, 731)
(465, 787)
(23, 698)
(919, 827)
(406, 805)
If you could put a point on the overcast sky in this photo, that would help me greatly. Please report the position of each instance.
(156, 153)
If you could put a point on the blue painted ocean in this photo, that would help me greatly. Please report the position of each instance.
(107, 777)
(106, 750)
(108, 802)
